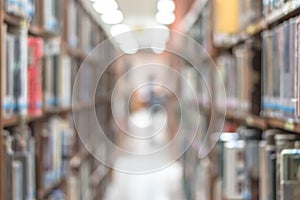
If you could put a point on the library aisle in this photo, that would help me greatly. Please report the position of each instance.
(149, 99)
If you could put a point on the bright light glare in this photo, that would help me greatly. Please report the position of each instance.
(104, 6)
(161, 33)
(165, 18)
(158, 48)
(129, 47)
(119, 29)
(167, 6)
(113, 17)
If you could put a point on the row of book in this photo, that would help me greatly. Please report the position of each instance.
(27, 80)
(240, 73)
(280, 70)
(252, 167)
(201, 29)
(83, 33)
(232, 17)
(243, 14)
(58, 139)
(21, 156)
(270, 6)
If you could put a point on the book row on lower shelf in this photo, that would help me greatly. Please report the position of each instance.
(26, 154)
(38, 163)
(246, 164)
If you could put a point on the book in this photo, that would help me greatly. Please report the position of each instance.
(20, 56)
(52, 15)
(17, 179)
(35, 55)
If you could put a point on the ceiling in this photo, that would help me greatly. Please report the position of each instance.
(138, 13)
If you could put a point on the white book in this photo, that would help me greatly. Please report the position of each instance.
(17, 177)
(64, 82)
(23, 100)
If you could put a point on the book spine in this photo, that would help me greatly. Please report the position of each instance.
(8, 101)
(17, 178)
(20, 72)
(34, 76)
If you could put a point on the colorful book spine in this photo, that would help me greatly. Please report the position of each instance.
(35, 46)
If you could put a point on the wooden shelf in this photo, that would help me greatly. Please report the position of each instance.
(78, 158)
(264, 123)
(12, 121)
(57, 111)
(98, 175)
(290, 9)
(284, 125)
(47, 191)
(16, 21)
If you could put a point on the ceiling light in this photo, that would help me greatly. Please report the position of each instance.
(112, 17)
(165, 18)
(129, 47)
(119, 29)
(166, 5)
(158, 47)
(104, 6)
(161, 33)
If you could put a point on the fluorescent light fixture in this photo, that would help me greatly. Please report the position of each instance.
(165, 18)
(161, 33)
(158, 48)
(119, 29)
(113, 17)
(129, 47)
(166, 6)
(104, 6)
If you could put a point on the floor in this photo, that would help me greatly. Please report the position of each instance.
(165, 184)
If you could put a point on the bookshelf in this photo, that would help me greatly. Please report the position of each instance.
(73, 44)
(236, 42)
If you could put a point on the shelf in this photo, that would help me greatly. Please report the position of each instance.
(16, 21)
(249, 120)
(284, 125)
(98, 175)
(17, 120)
(44, 193)
(290, 9)
(12, 121)
(264, 123)
(57, 111)
(78, 158)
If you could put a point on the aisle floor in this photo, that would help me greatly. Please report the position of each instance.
(165, 184)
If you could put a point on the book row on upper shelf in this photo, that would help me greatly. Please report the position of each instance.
(247, 17)
(38, 74)
(33, 80)
(261, 76)
(77, 27)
